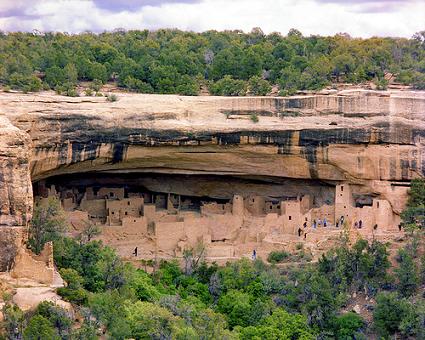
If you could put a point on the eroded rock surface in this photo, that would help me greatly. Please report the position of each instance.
(373, 141)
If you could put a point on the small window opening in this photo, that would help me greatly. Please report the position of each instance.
(342, 188)
(290, 217)
(377, 204)
(128, 202)
(111, 194)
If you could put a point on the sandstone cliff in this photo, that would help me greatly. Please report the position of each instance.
(373, 140)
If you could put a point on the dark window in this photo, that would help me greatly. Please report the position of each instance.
(342, 188)
(290, 217)
(111, 194)
(126, 213)
(113, 213)
(377, 204)
(128, 203)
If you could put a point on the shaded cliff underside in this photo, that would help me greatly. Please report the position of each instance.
(374, 141)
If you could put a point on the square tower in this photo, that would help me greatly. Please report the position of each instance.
(343, 201)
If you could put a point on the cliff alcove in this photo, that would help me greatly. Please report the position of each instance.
(189, 170)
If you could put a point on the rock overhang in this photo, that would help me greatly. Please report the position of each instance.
(362, 137)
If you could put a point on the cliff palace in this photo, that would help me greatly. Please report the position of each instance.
(166, 173)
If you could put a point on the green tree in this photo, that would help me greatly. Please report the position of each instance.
(228, 87)
(47, 224)
(258, 86)
(406, 273)
(389, 312)
(39, 328)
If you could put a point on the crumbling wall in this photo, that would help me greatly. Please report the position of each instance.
(35, 267)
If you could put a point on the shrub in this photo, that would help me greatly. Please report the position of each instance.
(258, 86)
(227, 86)
(112, 98)
(96, 85)
(347, 325)
(419, 81)
(389, 312)
(278, 256)
(137, 85)
(381, 84)
(254, 118)
(88, 92)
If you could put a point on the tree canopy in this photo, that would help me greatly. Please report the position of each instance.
(228, 62)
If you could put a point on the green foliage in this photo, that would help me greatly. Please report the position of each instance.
(227, 86)
(406, 273)
(254, 118)
(364, 265)
(258, 86)
(96, 85)
(347, 325)
(413, 215)
(112, 98)
(277, 256)
(88, 92)
(389, 312)
(279, 325)
(25, 83)
(39, 328)
(137, 85)
(99, 266)
(149, 321)
(173, 61)
(47, 224)
(144, 287)
(57, 316)
(381, 84)
(74, 291)
(13, 321)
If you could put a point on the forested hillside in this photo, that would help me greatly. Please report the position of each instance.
(228, 63)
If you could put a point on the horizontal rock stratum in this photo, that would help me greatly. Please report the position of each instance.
(372, 140)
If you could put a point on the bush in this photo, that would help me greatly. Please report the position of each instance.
(381, 84)
(137, 85)
(419, 81)
(112, 98)
(227, 86)
(347, 325)
(389, 312)
(96, 85)
(254, 118)
(25, 83)
(88, 92)
(278, 256)
(258, 86)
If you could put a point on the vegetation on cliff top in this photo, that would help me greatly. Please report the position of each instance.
(230, 63)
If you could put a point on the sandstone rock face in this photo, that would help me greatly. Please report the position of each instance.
(374, 141)
(15, 180)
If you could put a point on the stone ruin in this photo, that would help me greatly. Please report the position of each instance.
(163, 225)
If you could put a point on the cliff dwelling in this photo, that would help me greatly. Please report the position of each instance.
(162, 215)
(162, 174)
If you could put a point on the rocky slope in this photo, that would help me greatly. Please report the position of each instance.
(373, 140)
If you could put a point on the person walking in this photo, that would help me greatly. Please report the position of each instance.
(254, 254)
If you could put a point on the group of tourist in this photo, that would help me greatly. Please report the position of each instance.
(319, 223)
